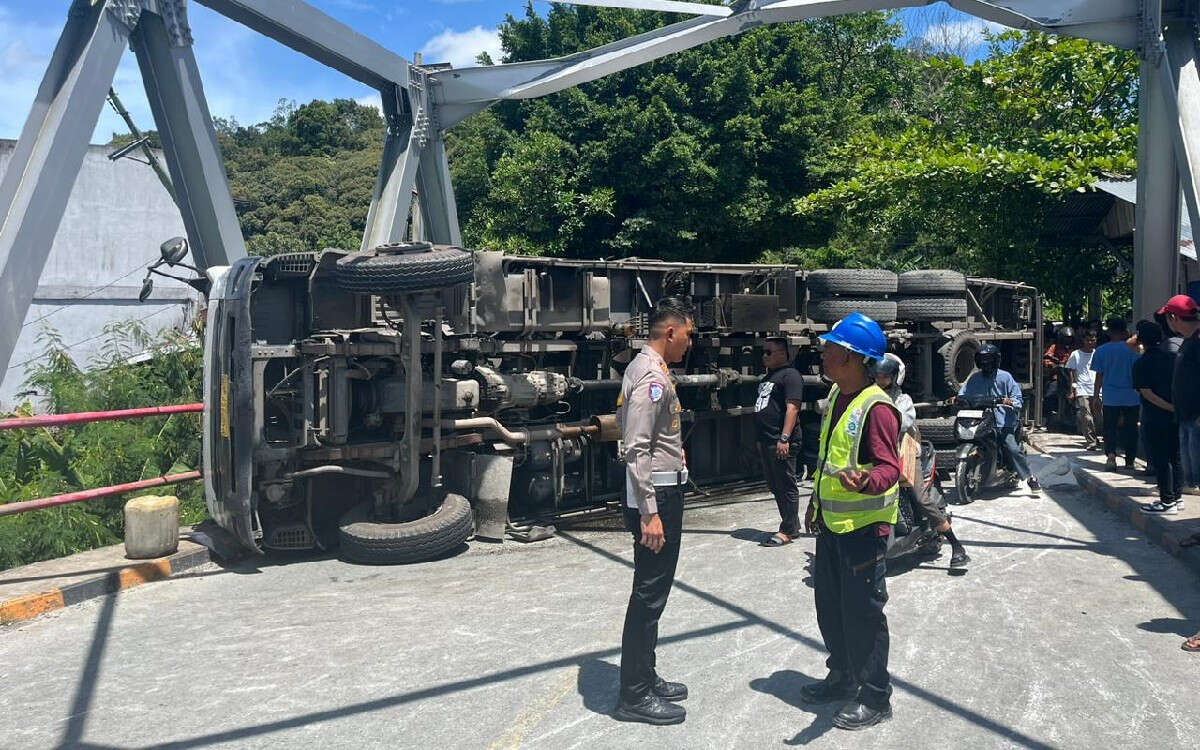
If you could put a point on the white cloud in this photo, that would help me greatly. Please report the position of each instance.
(371, 100)
(461, 47)
(965, 33)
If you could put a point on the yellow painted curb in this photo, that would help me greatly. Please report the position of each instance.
(143, 573)
(28, 607)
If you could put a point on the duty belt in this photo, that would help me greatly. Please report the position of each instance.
(669, 478)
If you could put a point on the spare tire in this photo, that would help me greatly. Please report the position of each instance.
(833, 310)
(937, 430)
(932, 282)
(834, 281)
(399, 272)
(367, 541)
(957, 358)
(919, 309)
(947, 460)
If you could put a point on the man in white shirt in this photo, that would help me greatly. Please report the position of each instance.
(1083, 391)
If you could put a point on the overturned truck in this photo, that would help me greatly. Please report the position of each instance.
(397, 401)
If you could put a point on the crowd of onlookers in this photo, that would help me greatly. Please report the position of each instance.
(1137, 393)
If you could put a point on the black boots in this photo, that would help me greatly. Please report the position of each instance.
(669, 691)
(650, 710)
(835, 687)
(656, 708)
(960, 558)
(855, 715)
(838, 687)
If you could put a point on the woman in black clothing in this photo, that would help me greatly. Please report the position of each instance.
(1152, 375)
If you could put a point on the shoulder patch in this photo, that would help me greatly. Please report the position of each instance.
(656, 391)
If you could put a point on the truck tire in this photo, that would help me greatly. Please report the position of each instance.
(947, 460)
(931, 282)
(917, 309)
(957, 357)
(833, 310)
(834, 281)
(937, 430)
(396, 273)
(366, 541)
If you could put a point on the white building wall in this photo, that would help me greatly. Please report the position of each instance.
(117, 216)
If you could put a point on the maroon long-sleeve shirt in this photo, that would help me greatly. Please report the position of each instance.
(880, 446)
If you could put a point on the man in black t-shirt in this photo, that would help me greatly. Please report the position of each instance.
(780, 393)
(1152, 377)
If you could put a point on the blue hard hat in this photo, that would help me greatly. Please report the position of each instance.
(858, 333)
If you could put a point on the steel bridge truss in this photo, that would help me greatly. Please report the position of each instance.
(420, 103)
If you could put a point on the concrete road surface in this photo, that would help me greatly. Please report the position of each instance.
(1065, 632)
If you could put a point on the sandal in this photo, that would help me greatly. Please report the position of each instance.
(1191, 644)
(778, 539)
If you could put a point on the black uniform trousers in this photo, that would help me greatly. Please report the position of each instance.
(780, 475)
(851, 589)
(1121, 431)
(653, 575)
(1161, 437)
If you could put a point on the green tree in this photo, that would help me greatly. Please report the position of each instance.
(969, 182)
(43, 462)
(698, 155)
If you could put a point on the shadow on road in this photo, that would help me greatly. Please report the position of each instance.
(1175, 625)
(785, 685)
(598, 685)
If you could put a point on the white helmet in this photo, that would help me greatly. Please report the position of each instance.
(892, 366)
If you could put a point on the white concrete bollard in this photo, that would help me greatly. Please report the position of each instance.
(151, 526)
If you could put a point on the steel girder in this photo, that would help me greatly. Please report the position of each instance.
(420, 103)
(49, 153)
(189, 142)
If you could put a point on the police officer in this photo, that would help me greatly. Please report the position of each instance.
(648, 412)
(852, 510)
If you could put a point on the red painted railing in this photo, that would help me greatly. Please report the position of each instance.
(53, 420)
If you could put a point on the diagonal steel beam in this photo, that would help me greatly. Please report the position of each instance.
(310, 32)
(439, 215)
(465, 91)
(388, 216)
(49, 154)
(189, 141)
(667, 6)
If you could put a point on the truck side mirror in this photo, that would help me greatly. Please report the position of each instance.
(147, 288)
(174, 250)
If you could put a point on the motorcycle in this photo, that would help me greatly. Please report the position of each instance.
(980, 460)
(913, 531)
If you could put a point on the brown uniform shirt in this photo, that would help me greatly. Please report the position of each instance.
(648, 413)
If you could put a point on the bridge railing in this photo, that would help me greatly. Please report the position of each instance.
(55, 420)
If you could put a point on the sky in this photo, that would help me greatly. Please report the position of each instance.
(245, 74)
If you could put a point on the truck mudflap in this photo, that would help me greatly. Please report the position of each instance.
(228, 439)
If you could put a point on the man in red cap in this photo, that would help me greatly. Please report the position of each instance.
(1183, 317)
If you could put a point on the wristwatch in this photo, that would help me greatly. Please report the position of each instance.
(783, 438)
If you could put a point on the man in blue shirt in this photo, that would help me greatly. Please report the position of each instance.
(1113, 365)
(989, 381)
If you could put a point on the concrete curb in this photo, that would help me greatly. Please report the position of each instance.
(1157, 529)
(32, 605)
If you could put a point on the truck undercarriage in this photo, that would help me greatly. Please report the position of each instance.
(397, 401)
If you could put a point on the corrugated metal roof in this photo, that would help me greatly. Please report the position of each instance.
(1126, 190)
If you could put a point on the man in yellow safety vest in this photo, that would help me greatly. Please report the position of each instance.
(852, 511)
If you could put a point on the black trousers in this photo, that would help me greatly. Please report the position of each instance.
(851, 589)
(780, 476)
(1162, 450)
(653, 574)
(1121, 430)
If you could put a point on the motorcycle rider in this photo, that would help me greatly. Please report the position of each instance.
(989, 381)
(889, 375)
